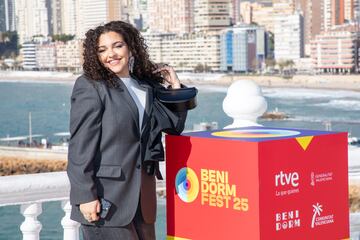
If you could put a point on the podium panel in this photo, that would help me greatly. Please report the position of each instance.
(257, 183)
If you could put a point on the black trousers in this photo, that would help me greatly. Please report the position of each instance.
(136, 230)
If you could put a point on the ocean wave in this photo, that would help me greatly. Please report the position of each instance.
(212, 88)
(323, 120)
(350, 105)
(304, 93)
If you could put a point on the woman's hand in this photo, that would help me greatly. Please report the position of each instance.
(90, 210)
(170, 76)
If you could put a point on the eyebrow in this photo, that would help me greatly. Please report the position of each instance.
(117, 42)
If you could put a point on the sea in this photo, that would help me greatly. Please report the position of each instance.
(49, 104)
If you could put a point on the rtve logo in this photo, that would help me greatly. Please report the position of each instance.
(283, 179)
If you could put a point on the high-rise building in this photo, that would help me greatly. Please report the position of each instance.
(336, 51)
(338, 12)
(69, 55)
(144, 13)
(56, 11)
(246, 12)
(48, 6)
(289, 37)
(349, 10)
(135, 16)
(28, 53)
(7, 15)
(332, 13)
(242, 48)
(69, 17)
(258, 13)
(356, 10)
(326, 15)
(211, 15)
(283, 7)
(312, 21)
(10, 10)
(2, 16)
(266, 3)
(234, 10)
(32, 19)
(171, 15)
(90, 14)
(46, 56)
(134, 12)
(185, 52)
(263, 15)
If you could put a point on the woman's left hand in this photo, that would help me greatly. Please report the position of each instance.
(170, 76)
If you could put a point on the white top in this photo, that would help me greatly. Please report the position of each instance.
(138, 94)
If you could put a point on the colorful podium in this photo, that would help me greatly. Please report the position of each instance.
(257, 184)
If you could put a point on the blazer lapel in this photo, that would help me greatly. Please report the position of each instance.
(149, 101)
(129, 102)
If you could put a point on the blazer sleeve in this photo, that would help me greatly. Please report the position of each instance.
(177, 119)
(85, 129)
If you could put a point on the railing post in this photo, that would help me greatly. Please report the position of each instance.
(31, 227)
(355, 226)
(71, 228)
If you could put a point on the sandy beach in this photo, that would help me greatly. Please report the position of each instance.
(343, 82)
(336, 82)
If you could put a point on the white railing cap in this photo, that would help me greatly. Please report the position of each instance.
(29, 188)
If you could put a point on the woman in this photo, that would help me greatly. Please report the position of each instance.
(112, 123)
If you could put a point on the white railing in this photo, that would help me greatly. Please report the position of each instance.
(354, 179)
(30, 191)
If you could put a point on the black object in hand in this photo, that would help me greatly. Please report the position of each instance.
(105, 207)
(149, 168)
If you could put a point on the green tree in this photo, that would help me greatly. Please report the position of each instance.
(8, 44)
(271, 43)
(62, 37)
(207, 68)
(270, 62)
(199, 68)
(290, 63)
(282, 64)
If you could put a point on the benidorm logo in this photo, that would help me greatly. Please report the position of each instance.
(187, 184)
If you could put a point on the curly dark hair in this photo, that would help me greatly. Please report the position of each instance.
(94, 69)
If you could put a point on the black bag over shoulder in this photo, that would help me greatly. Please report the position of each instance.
(179, 100)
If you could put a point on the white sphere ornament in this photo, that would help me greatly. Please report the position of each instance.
(244, 102)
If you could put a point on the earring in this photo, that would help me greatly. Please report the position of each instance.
(131, 64)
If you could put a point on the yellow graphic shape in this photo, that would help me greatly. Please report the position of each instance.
(176, 238)
(304, 141)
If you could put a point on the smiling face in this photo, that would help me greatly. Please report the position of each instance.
(114, 53)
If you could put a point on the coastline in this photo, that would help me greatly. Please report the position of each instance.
(331, 82)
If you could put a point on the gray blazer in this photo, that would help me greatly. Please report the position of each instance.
(106, 148)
